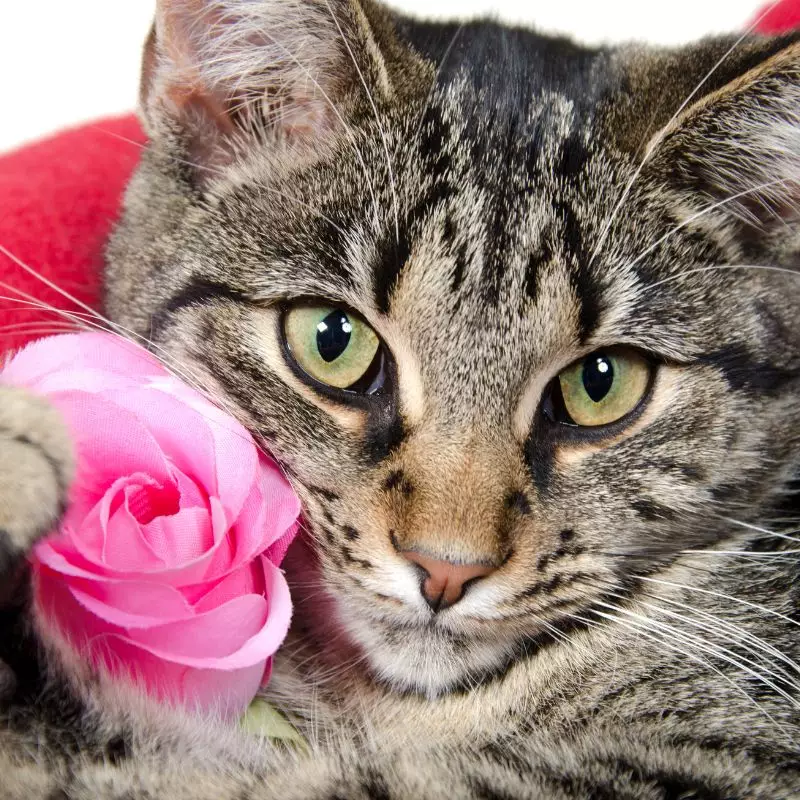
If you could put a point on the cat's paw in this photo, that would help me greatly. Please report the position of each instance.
(36, 464)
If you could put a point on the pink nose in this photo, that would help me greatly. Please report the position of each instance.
(444, 581)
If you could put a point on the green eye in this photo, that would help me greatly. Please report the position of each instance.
(330, 344)
(604, 387)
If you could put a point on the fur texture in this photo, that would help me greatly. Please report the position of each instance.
(497, 205)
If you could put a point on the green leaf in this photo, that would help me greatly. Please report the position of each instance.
(262, 719)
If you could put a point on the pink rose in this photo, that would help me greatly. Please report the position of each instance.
(165, 566)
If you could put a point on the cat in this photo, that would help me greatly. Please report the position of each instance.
(518, 317)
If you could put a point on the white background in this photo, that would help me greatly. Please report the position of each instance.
(64, 61)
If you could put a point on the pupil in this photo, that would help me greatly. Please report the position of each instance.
(598, 377)
(333, 335)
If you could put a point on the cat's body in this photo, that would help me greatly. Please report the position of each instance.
(496, 205)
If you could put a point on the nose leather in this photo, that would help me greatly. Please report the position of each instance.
(444, 581)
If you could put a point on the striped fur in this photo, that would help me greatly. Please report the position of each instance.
(496, 204)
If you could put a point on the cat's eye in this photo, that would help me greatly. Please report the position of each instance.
(600, 389)
(333, 346)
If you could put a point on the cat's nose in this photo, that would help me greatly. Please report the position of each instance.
(444, 582)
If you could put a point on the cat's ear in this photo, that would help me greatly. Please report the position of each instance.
(737, 146)
(223, 75)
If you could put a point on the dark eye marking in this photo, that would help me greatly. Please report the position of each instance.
(350, 533)
(517, 501)
(536, 260)
(197, 292)
(347, 553)
(385, 432)
(397, 479)
(393, 250)
(586, 287)
(743, 371)
(326, 494)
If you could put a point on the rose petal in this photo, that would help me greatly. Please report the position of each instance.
(115, 445)
(215, 634)
(74, 352)
(248, 579)
(268, 514)
(180, 642)
(132, 604)
(207, 445)
(111, 535)
(191, 494)
(181, 538)
(61, 554)
(225, 695)
(277, 550)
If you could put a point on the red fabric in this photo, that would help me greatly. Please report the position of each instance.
(59, 199)
(780, 17)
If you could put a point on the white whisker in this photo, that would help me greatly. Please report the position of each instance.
(755, 606)
(707, 210)
(381, 131)
(714, 267)
(765, 531)
(672, 646)
(660, 136)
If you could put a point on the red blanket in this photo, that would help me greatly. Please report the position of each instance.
(59, 199)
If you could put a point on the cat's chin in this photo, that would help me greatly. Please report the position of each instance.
(425, 656)
(425, 660)
(406, 650)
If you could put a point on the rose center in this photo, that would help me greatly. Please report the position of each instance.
(147, 502)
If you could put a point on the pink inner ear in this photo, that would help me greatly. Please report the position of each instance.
(306, 118)
(201, 103)
(210, 63)
(172, 64)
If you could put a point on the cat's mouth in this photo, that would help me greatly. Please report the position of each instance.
(405, 648)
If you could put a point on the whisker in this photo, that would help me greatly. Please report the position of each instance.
(439, 69)
(96, 321)
(713, 267)
(377, 120)
(662, 133)
(778, 554)
(641, 631)
(734, 630)
(218, 172)
(721, 595)
(765, 531)
(718, 651)
(707, 210)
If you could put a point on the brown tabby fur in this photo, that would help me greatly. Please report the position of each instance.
(497, 205)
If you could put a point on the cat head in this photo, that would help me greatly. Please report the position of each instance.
(516, 316)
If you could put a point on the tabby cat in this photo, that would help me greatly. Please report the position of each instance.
(519, 319)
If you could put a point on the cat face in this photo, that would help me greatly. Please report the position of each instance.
(520, 334)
